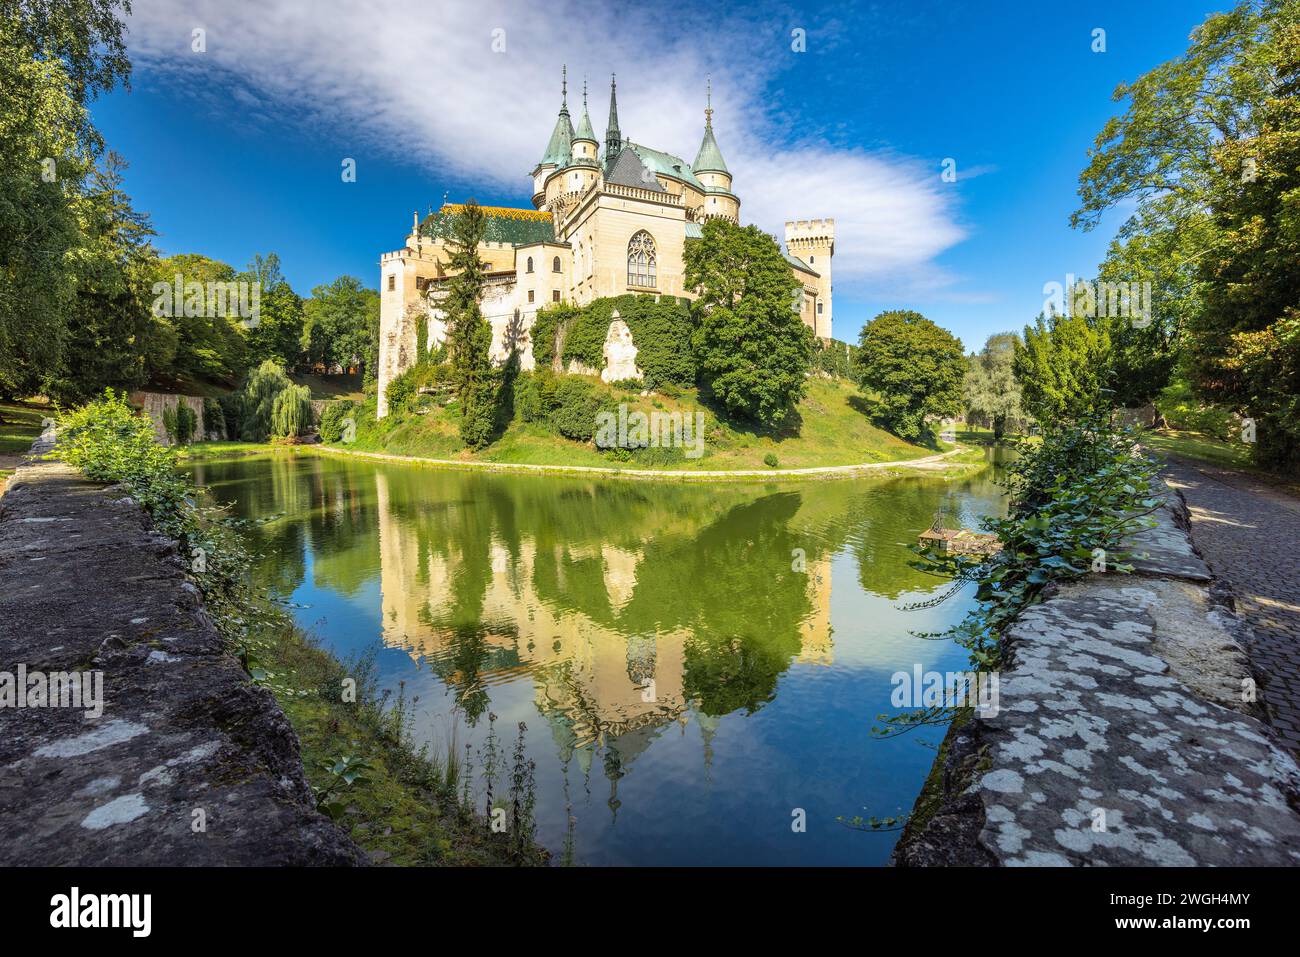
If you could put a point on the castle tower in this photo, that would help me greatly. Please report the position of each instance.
(711, 170)
(613, 138)
(583, 164)
(559, 150)
(813, 241)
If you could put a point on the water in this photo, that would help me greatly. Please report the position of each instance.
(686, 690)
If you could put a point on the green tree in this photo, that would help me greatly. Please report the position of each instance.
(112, 339)
(990, 389)
(341, 324)
(753, 350)
(258, 402)
(208, 346)
(278, 329)
(1201, 154)
(1063, 368)
(915, 368)
(1244, 347)
(469, 337)
(54, 57)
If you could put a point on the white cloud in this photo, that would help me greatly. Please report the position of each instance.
(423, 82)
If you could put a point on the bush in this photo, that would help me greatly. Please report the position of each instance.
(109, 442)
(771, 461)
(578, 402)
(333, 420)
(291, 415)
(401, 390)
(1183, 410)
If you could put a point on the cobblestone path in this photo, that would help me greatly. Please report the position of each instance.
(1249, 534)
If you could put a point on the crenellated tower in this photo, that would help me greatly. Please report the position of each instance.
(813, 241)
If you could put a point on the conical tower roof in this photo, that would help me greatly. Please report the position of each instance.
(560, 148)
(585, 132)
(709, 158)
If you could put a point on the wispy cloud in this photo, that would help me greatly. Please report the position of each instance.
(424, 82)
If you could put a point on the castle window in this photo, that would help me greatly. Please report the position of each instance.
(641, 260)
(812, 259)
(555, 264)
(530, 295)
(555, 295)
(819, 308)
(530, 263)
(392, 281)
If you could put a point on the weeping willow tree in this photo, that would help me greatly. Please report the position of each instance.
(291, 414)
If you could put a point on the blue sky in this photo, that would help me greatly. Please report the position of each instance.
(237, 149)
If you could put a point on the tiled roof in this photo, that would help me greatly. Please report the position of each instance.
(666, 163)
(502, 224)
(629, 170)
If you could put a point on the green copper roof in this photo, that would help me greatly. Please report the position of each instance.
(500, 225)
(560, 149)
(694, 231)
(585, 132)
(667, 164)
(709, 158)
(798, 263)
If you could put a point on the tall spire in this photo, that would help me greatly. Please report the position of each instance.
(613, 138)
(559, 149)
(709, 158)
(585, 132)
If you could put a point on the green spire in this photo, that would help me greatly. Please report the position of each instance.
(709, 158)
(560, 149)
(585, 132)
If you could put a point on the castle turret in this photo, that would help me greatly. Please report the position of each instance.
(711, 170)
(559, 151)
(583, 165)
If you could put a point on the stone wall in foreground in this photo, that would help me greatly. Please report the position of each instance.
(1123, 735)
(189, 763)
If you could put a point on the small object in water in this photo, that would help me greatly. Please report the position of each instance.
(960, 541)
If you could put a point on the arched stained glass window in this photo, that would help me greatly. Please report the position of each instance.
(641, 260)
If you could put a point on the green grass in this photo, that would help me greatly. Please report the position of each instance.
(20, 424)
(1199, 447)
(330, 386)
(223, 449)
(833, 427)
(409, 808)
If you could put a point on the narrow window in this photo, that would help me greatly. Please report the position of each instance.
(530, 295)
(819, 308)
(555, 295)
(530, 263)
(392, 281)
(555, 264)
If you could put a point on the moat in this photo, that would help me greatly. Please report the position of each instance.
(694, 664)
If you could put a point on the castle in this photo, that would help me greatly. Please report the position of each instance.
(607, 220)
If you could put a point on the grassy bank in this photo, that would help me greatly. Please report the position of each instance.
(832, 428)
(20, 424)
(411, 807)
(1199, 447)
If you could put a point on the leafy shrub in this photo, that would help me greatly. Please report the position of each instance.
(332, 420)
(291, 415)
(771, 461)
(401, 390)
(109, 442)
(578, 402)
(1183, 410)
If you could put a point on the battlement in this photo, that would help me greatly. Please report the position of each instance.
(810, 229)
